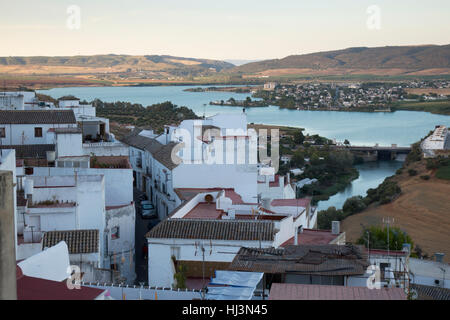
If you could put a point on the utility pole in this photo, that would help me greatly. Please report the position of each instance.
(388, 220)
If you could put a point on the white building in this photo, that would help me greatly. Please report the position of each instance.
(429, 273)
(73, 176)
(439, 140)
(216, 152)
(220, 221)
(33, 127)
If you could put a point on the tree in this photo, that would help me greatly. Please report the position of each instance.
(298, 159)
(354, 205)
(346, 142)
(325, 217)
(299, 138)
(378, 238)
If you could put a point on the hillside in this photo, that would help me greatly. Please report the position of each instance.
(420, 60)
(422, 210)
(106, 69)
(118, 63)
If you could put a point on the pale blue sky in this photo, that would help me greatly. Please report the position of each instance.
(244, 29)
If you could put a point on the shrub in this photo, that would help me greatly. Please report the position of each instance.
(354, 205)
(412, 172)
(385, 192)
(425, 177)
(325, 217)
(378, 238)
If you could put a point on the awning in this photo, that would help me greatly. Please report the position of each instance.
(233, 285)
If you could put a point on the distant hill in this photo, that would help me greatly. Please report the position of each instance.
(380, 60)
(111, 63)
(240, 62)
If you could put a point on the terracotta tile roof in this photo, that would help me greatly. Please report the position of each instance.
(304, 202)
(303, 259)
(78, 241)
(30, 288)
(293, 291)
(110, 162)
(30, 151)
(204, 210)
(244, 230)
(37, 117)
(312, 236)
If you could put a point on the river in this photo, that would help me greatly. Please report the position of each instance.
(360, 128)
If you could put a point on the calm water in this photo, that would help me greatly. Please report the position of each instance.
(360, 128)
(401, 127)
(371, 174)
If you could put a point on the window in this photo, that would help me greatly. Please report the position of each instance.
(38, 132)
(115, 233)
(2, 132)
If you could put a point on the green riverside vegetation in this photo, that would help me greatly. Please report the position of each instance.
(154, 116)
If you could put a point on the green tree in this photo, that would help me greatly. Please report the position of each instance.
(325, 217)
(299, 138)
(378, 238)
(354, 205)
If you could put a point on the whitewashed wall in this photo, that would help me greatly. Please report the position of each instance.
(17, 134)
(124, 246)
(69, 145)
(243, 178)
(160, 263)
(118, 182)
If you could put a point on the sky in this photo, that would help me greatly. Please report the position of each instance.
(216, 29)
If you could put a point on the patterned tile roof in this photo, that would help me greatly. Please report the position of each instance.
(142, 142)
(303, 259)
(37, 117)
(78, 241)
(245, 230)
(162, 153)
(431, 293)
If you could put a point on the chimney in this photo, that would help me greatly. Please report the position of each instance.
(439, 257)
(335, 227)
(289, 178)
(8, 281)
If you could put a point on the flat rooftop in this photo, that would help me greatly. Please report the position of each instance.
(188, 193)
(204, 210)
(312, 236)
